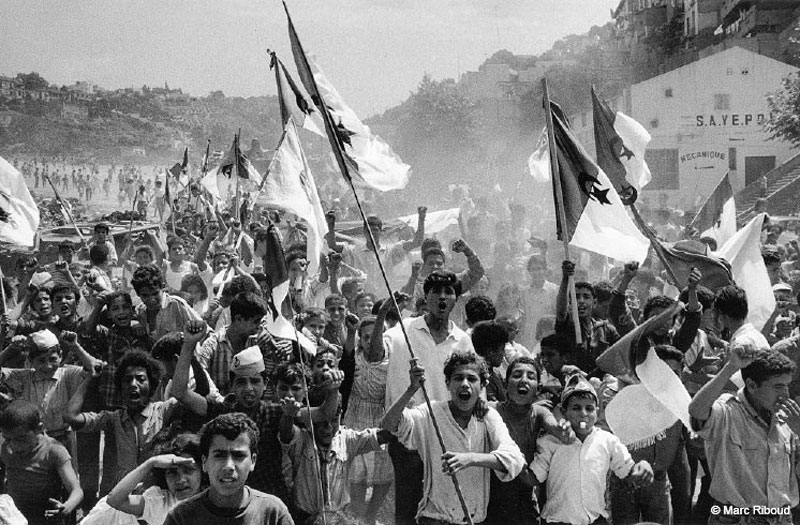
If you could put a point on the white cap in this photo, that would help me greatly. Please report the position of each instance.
(44, 339)
(249, 361)
(781, 287)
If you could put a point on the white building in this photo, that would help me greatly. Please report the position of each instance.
(705, 119)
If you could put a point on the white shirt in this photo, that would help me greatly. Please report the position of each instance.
(439, 499)
(431, 356)
(576, 475)
(748, 335)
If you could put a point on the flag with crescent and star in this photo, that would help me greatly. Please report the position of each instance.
(362, 156)
(620, 143)
(596, 218)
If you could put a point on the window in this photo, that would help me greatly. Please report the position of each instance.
(654, 123)
(663, 165)
(668, 93)
(722, 101)
(732, 159)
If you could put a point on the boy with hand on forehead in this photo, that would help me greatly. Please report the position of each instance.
(577, 473)
(475, 438)
(229, 447)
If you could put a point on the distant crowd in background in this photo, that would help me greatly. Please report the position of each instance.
(224, 398)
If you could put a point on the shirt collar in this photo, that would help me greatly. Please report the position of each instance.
(424, 326)
(749, 408)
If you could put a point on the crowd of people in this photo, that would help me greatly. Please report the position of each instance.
(163, 377)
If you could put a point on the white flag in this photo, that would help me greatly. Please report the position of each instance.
(378, 165)
(19, 214)
(539, 161)
(743, 252)
(290, 186)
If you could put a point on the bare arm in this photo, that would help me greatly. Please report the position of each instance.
(330, 217)
(567, 269)
(419, 235)
(69, 479)
(391, 420)
(376, 351)
(700, 407)
(121, 496)
(194, 332)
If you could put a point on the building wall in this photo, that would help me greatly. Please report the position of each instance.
(705, 119)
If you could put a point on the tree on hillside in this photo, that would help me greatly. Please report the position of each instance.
(439, 116)
(32, 81)
(784, 108)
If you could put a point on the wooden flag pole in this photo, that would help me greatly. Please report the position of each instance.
(3, 292)
(646, 231)
(562, 215)
(235, 173)
(337, 147)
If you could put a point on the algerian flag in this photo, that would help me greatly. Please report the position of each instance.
(369, 160)
(289, 185)
(596, 218)
(717, 217)
(19, 214)
(620, 143)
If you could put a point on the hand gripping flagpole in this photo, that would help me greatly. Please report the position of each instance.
(562, 214)
(336, 146)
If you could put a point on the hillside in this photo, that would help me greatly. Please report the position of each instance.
(135, 124)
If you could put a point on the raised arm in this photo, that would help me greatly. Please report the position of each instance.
(391, 420)
(193, 333)
(419, 235)
(700, 407)
(562, 301)
(330, 218)
(121, 496)
(376, 351)
(474, 267)
(201, 254)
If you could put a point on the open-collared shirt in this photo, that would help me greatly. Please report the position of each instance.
(752, 462)
(333, 469)
(430, 354)
(133, 437)
(576, 475)
(488, 435)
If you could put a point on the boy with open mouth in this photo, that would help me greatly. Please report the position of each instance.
(475, 438)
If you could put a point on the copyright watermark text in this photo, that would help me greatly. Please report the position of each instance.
(757, 510)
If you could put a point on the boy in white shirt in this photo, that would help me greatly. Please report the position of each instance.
(474, 435)
(577, 473)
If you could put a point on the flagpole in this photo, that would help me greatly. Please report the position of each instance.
(66, 210)
(3, 292)
(562, 215)
(203, 172)
(169, 201)
(653, 242)
(235, 173)
(133, 210)
(336, 146)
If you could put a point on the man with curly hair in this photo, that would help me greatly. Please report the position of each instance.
(132, 429)
(750, 436)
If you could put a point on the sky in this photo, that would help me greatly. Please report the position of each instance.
(374, 51)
